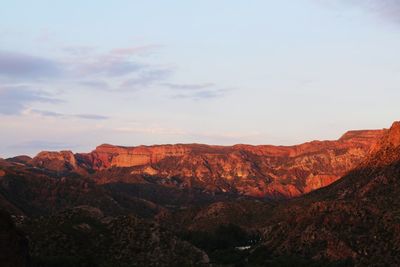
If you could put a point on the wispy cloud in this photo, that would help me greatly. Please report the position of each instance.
(136, 50)
(195, 91)
(15, 99)
(95, 84)
(146, 78)
(47, 113)
(117, 70)
(386, 9)
(91, 116)
(176, 86)
(114, 63)
(107, 66)
(203, 94)
(23, 67)
(84, 66)
(79, 51)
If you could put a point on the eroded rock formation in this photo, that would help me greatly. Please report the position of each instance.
(265, 170)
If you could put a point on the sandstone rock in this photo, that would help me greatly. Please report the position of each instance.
(265, 170)
(56, 161)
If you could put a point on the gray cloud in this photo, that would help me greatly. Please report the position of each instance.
(85, 67)
(146, 78)
(22, 66)
(15, 99)
(196, 91)
(117, 62)
(387, 9)
(205, 94)
(92, 69)
(62, 115)
(110, 67)
(95, 84)
(79, 50)
(187, 86)
(136, 50)
(81, 63)
(91, 116)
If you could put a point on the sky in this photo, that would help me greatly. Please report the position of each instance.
(77, 74)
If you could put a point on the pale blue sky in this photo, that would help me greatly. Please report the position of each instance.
(75, 74)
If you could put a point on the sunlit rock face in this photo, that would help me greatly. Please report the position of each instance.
(261, 171)
(57, 161)
(355, 219)
(389, 141)
(106, 156)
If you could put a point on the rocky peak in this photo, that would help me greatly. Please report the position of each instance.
(393, 135)
(390, 139)
(361, 135)
(57, 161)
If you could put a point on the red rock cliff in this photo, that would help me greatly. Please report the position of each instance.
(274, 171)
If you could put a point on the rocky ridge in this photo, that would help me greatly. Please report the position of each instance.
(260, 171)
(356, 219)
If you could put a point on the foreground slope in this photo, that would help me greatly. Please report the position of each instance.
(13, 244)
(83, 236)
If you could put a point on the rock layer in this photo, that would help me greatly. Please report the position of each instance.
(262, 171)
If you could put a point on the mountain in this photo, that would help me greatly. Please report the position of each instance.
(258, 171)
(356, 218)
(322, 203)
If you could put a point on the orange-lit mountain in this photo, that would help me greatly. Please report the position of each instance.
(261, 171)
(167, 204)
(352, 222)
(356, 218)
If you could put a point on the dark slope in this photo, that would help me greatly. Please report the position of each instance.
(356, 218)
(13, 244)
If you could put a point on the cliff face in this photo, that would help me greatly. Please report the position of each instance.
(57, 161)
(271, 171)
(106, 156)
(355, 218)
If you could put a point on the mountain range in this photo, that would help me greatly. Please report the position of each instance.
(321, 203)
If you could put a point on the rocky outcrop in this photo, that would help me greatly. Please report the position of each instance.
(105, 156)
(56, 161)
(272, 171)
(20, 159)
